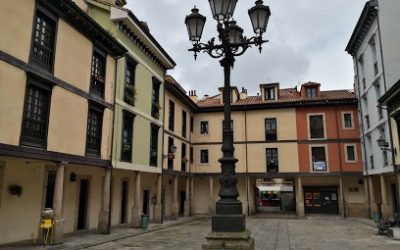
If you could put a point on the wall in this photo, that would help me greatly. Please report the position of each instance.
(20, 216)
(15, 32)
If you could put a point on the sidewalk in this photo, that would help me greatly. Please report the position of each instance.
(83, 240)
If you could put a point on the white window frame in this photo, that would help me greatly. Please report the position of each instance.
(309, 128)
(343, 120)
(326, 157)
(204, 163)
(355, 153)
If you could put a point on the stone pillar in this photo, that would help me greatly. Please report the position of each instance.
(211, 203)
(158, 206)
(186, 211)
(175, 204)
(373, 203)
(247, 202)
(386, 208)
(137, 207)
(366, 196)
(104, 216)
(299, 198)
(192, 195)
(342, 202)
(58, 198)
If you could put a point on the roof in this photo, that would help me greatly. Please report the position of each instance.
(364, 23)
(288, 95)
(119, 13)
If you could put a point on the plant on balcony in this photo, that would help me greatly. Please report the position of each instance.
(130, 95)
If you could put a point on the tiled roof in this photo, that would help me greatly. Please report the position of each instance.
(285, 96)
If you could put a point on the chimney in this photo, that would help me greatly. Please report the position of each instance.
(193, 96)
(243, 94)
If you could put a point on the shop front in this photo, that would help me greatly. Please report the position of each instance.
(321, 200)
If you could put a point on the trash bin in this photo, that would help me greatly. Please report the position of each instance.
(144, 222)
(377, 217)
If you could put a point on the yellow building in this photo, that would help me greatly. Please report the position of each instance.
(57, 89)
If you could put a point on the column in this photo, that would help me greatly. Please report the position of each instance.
(58, 198)
(191, 195)
(211, 203)
(386, 208)
(186, 211)
(137, 207)
(175, 204)
(342, 206)
(299, 198)
(158, 206)
(372, 199)
(367, 204)
(104, 216)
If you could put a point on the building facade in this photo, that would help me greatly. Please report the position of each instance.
(57, 101)
(297, 150)
(139, 116)
(373, 46)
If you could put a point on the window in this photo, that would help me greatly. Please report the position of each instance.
(350, 153)
(184, 159)
(385, 159)
(348, 120)
(98, 73)
(170, 162)
(311, 92)
(44, 34)
(171, 116)
(191, 124)
(318, 159)
(94, 133)
(204, 127)
(127, 134)
(184, 124)
(316, 126)
(270, 129)
(155, 98)
(204, 156)
(36, 114)
(269, 93)
(191, 154)
(362, 71)
(371, 161)
(272, 160)
(154, 145)
(372, 44)
(367, 121)
(231, 127)
(129, 88)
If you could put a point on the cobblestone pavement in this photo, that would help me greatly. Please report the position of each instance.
(318, 232)
(312, 233)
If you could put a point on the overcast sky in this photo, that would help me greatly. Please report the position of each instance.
(307, 39)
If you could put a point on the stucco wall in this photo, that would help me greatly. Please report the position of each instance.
(20, 216)
(12, 94)
(15, 32)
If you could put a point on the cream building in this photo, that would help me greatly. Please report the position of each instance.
(57, 98)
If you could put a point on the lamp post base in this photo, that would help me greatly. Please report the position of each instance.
(229, 240)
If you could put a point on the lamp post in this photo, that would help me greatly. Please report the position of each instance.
(229, 216)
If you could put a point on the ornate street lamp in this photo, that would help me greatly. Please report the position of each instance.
(229, 217)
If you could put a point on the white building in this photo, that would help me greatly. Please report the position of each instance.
(374, 46)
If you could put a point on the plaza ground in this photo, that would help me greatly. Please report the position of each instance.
(314, 232)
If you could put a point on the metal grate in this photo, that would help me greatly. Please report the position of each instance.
(43, 41)
(94, 127)
(34, 128)
(97, 75)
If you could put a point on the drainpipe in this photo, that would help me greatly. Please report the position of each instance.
(363, 137)
(340, 164)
